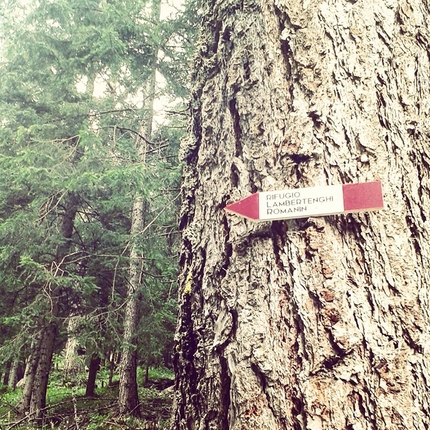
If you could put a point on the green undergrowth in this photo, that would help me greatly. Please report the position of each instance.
(68, 408)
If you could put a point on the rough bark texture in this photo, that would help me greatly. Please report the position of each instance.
(40, 384)
(315, 323)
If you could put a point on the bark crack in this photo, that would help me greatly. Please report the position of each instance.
(236, 126)
(279, 230)
(263, 382)
(225, 392)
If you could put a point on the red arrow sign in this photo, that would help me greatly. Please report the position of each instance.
(306, 202)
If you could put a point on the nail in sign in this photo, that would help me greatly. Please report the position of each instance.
(310, 202)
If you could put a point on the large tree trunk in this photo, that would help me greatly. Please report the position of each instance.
(313, 323)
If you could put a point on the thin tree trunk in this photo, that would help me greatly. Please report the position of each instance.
(112, 365)
(316, 323)
(146, 377)
(6, 375)
(73, 363)
(36, 381)
(47, 341)
(128, 393)
(15, 370)
(92, 375)
(40, 384)
(23, 405)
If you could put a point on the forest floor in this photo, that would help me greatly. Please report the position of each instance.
(68, 409)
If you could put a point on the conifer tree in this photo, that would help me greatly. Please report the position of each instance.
(71, 75)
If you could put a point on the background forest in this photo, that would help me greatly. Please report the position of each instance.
(92, 110)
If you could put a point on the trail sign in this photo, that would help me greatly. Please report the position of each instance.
(310, 202)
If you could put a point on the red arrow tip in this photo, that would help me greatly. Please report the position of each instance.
(248, 207)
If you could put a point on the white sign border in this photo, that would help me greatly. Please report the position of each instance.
(301, 202)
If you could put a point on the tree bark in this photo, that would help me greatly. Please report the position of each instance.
(40, 384)
(15, 374)
(23, 405)
(318, 323)
(73, 363)
(128, 395)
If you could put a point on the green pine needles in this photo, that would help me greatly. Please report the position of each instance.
(73, 97)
